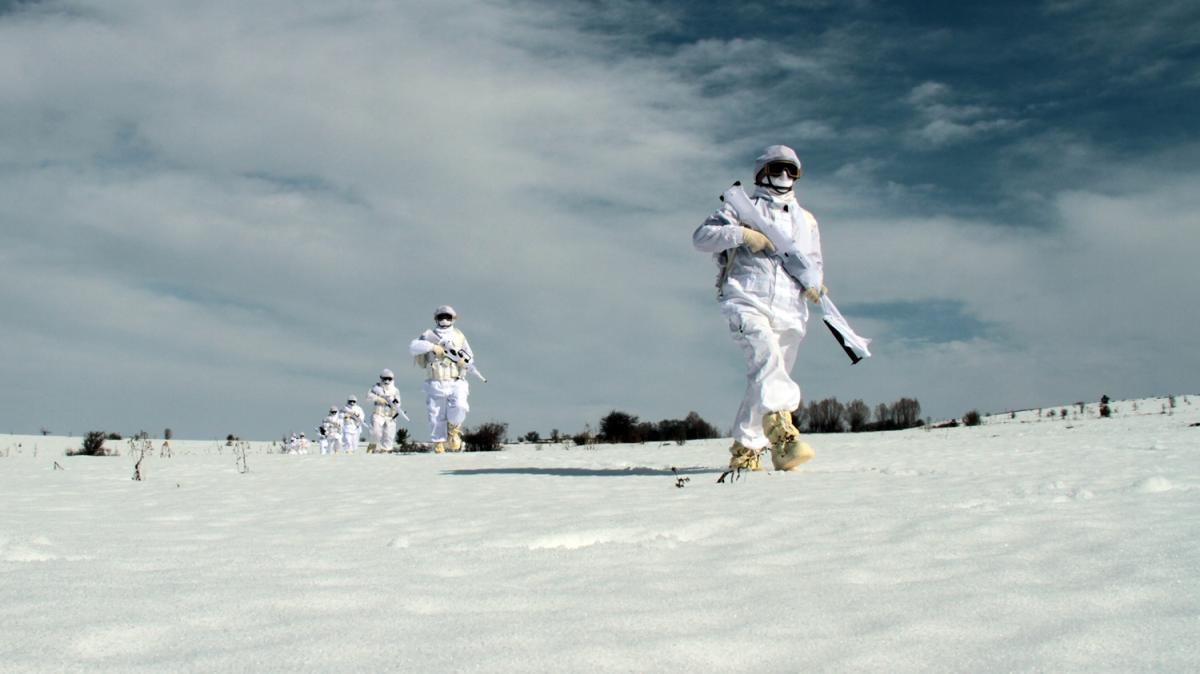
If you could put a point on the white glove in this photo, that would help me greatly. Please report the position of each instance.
(437, 351)
(756, 241)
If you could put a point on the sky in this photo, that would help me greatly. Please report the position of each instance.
(224, 217)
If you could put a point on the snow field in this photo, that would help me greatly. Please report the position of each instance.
(1003, 547)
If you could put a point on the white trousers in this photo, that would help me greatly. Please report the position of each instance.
(770, 352)
(329, 444)
(350, 433)
(445, 402)
(383, 430)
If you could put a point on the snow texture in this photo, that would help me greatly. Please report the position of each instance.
(1024, 544)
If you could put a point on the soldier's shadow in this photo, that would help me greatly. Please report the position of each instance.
(585, 472)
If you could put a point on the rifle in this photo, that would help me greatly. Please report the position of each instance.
(460, 356)
(398, 411)
(797, 265)
(464, 361)
(393, 404)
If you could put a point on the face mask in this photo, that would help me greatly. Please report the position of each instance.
(782, 181)
(445, 322)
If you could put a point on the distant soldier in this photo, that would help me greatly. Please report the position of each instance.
(331, 431)
(383, 419)
(291, 443)
(352, 423)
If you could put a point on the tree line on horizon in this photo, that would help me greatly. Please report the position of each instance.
(819, 416)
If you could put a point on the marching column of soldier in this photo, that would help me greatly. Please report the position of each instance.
(445, 355)
(767, 249)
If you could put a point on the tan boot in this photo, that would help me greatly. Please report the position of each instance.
(439, 448)
(453, 438)
(787, 450)
(371, 448)
(744, 458)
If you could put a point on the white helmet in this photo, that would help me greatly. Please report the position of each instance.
(444, 316)
(352, 399)
(386, 374)
(333, 409)
(772, 157)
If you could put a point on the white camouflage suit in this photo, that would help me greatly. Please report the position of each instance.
(353, 418)
(331, 432)
(383, 417)
(763, 305)
(445, 386)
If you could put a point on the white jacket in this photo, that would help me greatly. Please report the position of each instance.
(382, 396)
(758, 280)
(352, 416)
(444, 368)
(332, 425)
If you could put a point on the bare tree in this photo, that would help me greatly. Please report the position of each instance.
(857, 415)
(825, 416)
(883, 416)
(906, 412)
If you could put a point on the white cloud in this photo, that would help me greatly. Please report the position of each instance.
(321, 165)
(941, 123)
(925, 92)
(270, 193)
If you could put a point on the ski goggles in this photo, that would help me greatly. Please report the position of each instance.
(385, 379)
(777, 167)
(443, 317)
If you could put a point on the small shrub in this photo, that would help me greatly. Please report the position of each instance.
(488, 437)
(93, 445)
(532, 436)
(972, 418)
(404, 442)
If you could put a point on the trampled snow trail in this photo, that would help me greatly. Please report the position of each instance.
(1049, 545)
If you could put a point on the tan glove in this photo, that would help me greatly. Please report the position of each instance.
(815, 294)
(756, 241)
(437, 351)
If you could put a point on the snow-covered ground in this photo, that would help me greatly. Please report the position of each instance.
(1021, 545)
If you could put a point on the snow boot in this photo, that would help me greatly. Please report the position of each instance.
(439, 447)
(371, 448)
(744, 458)
(787, 450)
(453, 438)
